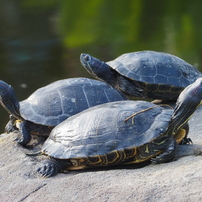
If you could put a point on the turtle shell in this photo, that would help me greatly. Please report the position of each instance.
(101, 129)
(52, 104)
(156, 68)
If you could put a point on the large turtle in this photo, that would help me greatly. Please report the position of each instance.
(145, 74)
(50, 105)
(107, 135)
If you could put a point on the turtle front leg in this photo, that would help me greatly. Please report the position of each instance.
(10, 126)
(168, 153)
(24, 129)
(51, 167)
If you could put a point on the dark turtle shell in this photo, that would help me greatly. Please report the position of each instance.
(101, 130)
(52, 104)
(155, 68)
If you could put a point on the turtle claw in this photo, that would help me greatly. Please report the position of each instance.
(17, 140)
(186, 141)
(158, 159)
(155, 160)
(21, 141)
(48, 169)
(10, 126)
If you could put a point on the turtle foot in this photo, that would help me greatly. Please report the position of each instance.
(9, 128)
(48, 168)
(22, 141)
(163, 158)
(167, 155)
(186, 141)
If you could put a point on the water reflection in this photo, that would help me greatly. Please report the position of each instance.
(40, 41)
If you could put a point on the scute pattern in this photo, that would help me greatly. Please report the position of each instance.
(52, 104)
(102, 129)
(162, 68)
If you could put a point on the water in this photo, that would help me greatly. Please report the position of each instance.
(41, 41)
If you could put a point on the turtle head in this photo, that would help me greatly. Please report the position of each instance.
(97, 68)
(9, 100)
(187, 102)
(191, 95)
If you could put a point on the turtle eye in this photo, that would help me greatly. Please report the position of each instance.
(87, 58)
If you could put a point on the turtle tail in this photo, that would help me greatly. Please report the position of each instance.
(39, 153)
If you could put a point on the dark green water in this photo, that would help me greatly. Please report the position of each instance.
(41, 41)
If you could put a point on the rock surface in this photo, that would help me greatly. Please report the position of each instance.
(179, 180)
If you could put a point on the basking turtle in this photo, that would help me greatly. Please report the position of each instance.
(145, 74)
(50, 105)
(107, 135)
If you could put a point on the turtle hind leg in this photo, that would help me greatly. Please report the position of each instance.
(168, 154)
(51, 167)
(185, 139)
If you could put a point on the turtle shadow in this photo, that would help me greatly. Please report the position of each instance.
(116, 167)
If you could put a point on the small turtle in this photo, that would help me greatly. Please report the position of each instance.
(144, 74)
(122, 132)
(50, 105)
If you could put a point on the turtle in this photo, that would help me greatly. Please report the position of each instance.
(144, 74)
(118, 133)
(50, 105)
